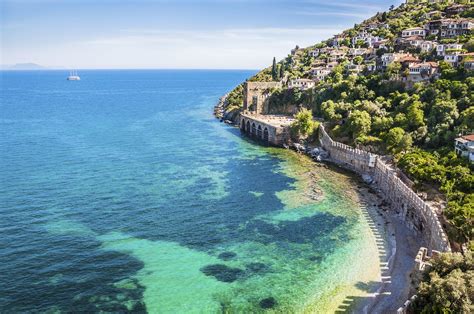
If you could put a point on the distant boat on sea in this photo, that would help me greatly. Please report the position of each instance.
(73, 76)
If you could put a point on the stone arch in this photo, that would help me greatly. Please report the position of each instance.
(265, 134)
(254, 129)
(242, 125)
(247, 129)
(259, 131)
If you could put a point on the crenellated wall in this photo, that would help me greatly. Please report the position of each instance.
(404, 201)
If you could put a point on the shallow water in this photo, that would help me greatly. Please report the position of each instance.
(121, 192)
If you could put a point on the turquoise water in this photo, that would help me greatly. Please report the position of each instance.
(121, 192)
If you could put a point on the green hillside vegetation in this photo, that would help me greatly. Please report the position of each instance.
(375, 99)
(377, 110)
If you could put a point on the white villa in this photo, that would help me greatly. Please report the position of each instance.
(422, 71)
(464, 146)
(415, 31)
(443, 49)
(302, 84)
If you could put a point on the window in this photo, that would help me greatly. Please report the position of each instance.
(254, 103)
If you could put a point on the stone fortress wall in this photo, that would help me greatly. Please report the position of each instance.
(415, 212)
(256, 94)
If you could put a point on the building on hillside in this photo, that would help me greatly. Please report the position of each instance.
(455, 57)
(314, 53)
(302, 84)
(467, 59)
(464, 146)
(336, 55)
(424, 71)
(256, 95)
(407, 60)
(389, 58)
(417, 42)
(365, 37)
(414, 31)
(354, 52)
(381, 44)
(440, 1)
(336, 40)
(352, 68)
(370, 65)
(377, 25)
(320, 73)
(443, 49)
(430, 15)
(429, 1)
(332, 65)
(449, 28)
(456, 9)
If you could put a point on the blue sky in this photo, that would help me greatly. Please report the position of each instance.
(225, 34)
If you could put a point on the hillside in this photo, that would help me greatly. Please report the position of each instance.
(25, 66)
(399, 84)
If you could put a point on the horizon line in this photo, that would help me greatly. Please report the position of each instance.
(144, 69)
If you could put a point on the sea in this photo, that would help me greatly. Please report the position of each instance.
(122, 193)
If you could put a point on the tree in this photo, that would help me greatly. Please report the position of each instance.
(274, 70)
(304, 126)
(282, 72)
(467, 119)
(447, 286)
(397, 140)
(415, 116)
(393, 70)
(359, 123)
(358, 60)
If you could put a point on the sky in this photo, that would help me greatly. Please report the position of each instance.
(175, 34)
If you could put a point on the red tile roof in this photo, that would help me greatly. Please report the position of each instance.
(469, 137)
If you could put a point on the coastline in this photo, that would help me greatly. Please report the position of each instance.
(397, 245)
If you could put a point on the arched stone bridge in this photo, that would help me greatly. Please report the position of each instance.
(273, 130)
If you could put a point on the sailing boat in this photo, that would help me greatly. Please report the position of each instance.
(73, 76)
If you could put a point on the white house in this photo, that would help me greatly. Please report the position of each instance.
(452, 58)
(464, 146)
(314, 53)
(301, 83)
(419, 42)
(320, 73)
(422, 71)
(389, 58)
(443, 49)
(415, 31)
(367, 38)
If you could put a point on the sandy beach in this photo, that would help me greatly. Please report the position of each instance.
(397, 246)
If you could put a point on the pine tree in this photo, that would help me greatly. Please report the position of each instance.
(282, 71)
(274, 70)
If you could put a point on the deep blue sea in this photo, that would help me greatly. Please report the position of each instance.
(122, 193)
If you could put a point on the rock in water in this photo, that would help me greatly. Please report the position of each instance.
(225, 256)
(222, 272)
(268, 303)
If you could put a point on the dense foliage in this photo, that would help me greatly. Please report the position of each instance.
(304, 127)
(447, 286)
